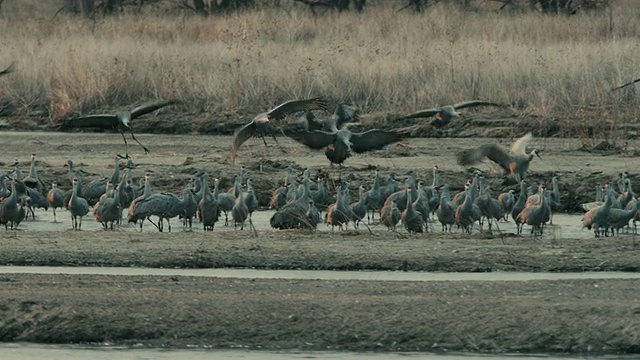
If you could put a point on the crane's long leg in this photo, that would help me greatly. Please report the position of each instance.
(126, 145)
(146, 151)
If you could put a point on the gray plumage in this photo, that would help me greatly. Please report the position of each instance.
(321, 198)
(597, 218)
(295, 214)
(507, 200)
(108, 211)
(515, 163)
(189, 209)
(121, 121)
(78, 207)
(208, 207)
(55, 197)
(263, 123)
(373, 199)
(446, 210)
(390, 215)
(163, 205)
(421, 204)
(358, 209)
(31, 180)
(240, 211)
(490, 208)
(536, 215)
(339, 213)
(37, 201)
(619, 218)
(12, 211)
(444, 114)
(466, 214)
(4, 191)
(411, 219)
(520, 204)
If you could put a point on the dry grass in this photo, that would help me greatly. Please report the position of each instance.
(384, 61)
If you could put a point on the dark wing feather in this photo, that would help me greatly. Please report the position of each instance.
(145, 109)
(624, 85)
(310, 121)
(346, 113)
(8, 70)
(493, 152)
(420, 114)
(373, 140)
(293, 106)
(315, 139)
(101, 121)
(243, 134)
(472, 103)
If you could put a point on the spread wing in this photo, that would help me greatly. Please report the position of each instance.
(293, 106)
(145, 109)
(520, 145)
(493, 152)
(8, 70)
(243, 134)
(101, 121)
(373, 140)
(472, 103)
(315, 139)
(310, 121)
(625, 85)
(420, 114)
(346, 113)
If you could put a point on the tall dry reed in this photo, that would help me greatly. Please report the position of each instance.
(382, 60)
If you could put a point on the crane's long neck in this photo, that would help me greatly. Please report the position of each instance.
(147, 187)
(32, 171)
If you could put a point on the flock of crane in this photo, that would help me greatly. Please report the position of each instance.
(304, 202)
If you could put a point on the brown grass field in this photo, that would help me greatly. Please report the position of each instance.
(554, 72)
(387, 62)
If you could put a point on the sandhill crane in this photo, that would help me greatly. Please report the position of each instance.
(490, 208)
(373, 198)
(444, 114)
(421, 204)
(163, 205)
(466, 215)
(78, 207)
(250, 199)
(554, 198)
(507, 200)
(390, 215)
(55, 197)
(339, 213)
(4, 191)
(79, 174)
(431, 192)
(108, 211)
(295, 214)
(12, 211)
(411, 219)
(597, 218)
(32, 180)
(279, 197)
(121, 121)
(636, 218)
(520, 204)
(536, 198)
(339, 144)
(515, 163)
(619, 218)
(21, 188)
(627, 194)
(622, 184)
(36, 201)
(536, 215)
(393, 185)
(240, 211)
(262, 124)
(321, 198)
(313, 215)
(225, 202)
(446, 210)
(459, 197)
(343, 114)
(358, 209)
(190, 208)
(208, 207)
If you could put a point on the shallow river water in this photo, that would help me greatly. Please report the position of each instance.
(57, 352)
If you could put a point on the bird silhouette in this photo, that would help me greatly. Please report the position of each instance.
(444, 114)
(120, 121)
(261, 125)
